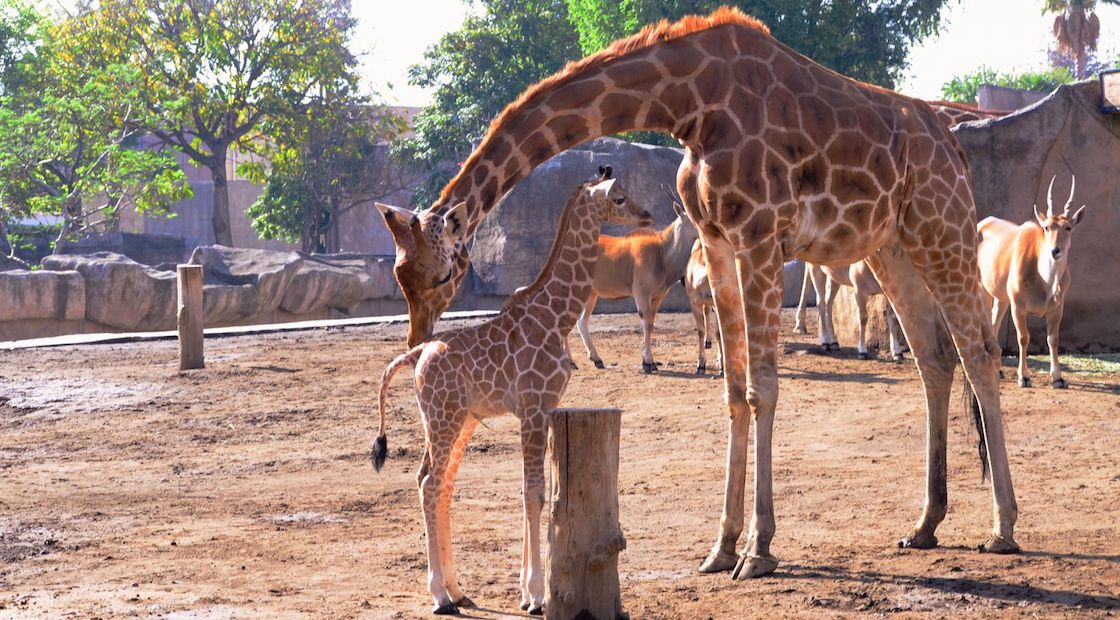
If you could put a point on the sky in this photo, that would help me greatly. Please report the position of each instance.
(1006, 35)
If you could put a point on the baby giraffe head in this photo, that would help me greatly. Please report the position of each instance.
(1057, 228)
(614, 206)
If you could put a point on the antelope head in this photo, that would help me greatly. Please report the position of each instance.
(1057, 228)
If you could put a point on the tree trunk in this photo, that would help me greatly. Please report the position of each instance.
(220, 218)
(333, 241)
(584, 537)
(71, 221)
(5, 245)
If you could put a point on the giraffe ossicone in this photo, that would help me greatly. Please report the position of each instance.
(517, 362)
(784, 159)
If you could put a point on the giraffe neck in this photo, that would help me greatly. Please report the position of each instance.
(644, 89)
(559, 293)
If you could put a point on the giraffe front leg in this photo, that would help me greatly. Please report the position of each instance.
(431, 490)
(1053, 325)
(729, 312)
(762, 305)
(534, 444)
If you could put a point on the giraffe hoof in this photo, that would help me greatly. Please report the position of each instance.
(524, 605)
(447, 609)
(648, 367)
(1024, 382)
(701, 369)
(537, 610)
(466, 603)
(707, 344)
(918, 540)
(1060, 384)
(718, 562)
(863, 356)
(999, 544)
(754, 566)
(599, 364)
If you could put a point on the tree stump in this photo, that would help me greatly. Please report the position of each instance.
(190, 317)
(584, 537)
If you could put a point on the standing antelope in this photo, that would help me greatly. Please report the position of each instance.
(827, 282)
(1025, 268)
(643, 265)
(517, 362)
(700, 300)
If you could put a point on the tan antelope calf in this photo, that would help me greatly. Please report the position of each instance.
(643, 265)
(1025, 268)
(517, 362)
(700, 300)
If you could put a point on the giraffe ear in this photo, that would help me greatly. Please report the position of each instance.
(399, 221)
(455, 222)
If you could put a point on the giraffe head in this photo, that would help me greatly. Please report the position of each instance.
(431, 261)
(1057, 228)
(615, 207)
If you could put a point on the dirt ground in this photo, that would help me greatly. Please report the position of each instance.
(130, 489)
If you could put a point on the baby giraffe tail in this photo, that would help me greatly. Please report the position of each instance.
(381, 444)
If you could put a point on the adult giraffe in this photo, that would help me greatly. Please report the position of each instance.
(784, 159)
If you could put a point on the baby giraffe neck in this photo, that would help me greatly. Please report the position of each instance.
(567, 277)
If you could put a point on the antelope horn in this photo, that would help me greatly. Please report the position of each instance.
(1072, 185)
(1050, 197)
(668, 193)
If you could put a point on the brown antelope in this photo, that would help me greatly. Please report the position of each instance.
(826, 283)
(644, 265)
(700, 300)
(1025, 268)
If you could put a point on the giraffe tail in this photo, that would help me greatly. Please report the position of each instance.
(380, 449)
(973, 405)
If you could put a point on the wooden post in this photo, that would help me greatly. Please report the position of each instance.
(584, 537)
(190, 317)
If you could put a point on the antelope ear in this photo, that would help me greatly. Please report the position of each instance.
(455, 222)
(1077, 216)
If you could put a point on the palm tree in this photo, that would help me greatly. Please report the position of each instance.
(1076, 28)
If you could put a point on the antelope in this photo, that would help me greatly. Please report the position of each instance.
(1025, 268)
(858, 276)
(643, 265)
(700, 300)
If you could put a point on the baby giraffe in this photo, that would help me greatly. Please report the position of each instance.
(517, 362)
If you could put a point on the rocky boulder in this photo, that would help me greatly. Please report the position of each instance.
(337, 281)
(241, 283)
(121, 292)
(55, 295)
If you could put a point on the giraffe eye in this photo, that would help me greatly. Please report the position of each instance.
(620, 201)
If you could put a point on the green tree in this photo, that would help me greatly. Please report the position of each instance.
(322, 162)
(965, 88)
(214, 70)
(1076, 29)
(476, 71)
(69, 139)
(863, 39)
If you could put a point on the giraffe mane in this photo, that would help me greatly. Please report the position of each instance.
(648, 36)
(557, 246)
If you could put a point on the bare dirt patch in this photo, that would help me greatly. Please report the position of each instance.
(129, 489)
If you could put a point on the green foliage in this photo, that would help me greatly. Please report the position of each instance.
(319, 159)
(214, 70)
(859, 38)
(22, 29)
(68, 138)
(965, 88)
(476, 71)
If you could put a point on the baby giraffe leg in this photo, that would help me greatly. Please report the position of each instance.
(441, 439)
(534, 443)
(449, 573)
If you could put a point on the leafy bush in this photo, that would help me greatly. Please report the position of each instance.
(965, 88)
